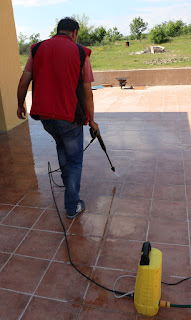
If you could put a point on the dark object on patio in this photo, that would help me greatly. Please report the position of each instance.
(122, 82)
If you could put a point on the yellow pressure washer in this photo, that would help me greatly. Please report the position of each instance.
(148, 283)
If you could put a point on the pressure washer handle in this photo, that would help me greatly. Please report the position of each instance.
(101, 141)
(93, 133)
(145, 256)
(96, 134)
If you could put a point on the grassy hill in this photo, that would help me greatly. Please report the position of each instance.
(119, 57)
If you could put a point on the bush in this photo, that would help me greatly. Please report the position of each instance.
(86, 42)
(105, 41)
(158, 34)
(132, 37)
(189, 28)
(25, 49)
(144, 36)
(174, 29)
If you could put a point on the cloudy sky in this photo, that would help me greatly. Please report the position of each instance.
(38, 16)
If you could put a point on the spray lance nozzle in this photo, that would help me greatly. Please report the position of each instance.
(96, 134)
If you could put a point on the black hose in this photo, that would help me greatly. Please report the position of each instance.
(174, 284)
(67, 244)
(184, 306)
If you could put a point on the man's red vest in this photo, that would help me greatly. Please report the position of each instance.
(57, 80)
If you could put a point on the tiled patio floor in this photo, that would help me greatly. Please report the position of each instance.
(147, 135)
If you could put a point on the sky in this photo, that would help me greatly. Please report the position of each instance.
(39, 16)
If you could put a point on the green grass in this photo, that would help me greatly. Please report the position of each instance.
(119, 57)
(23, 60)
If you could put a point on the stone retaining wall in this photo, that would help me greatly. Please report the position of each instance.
(142, 77)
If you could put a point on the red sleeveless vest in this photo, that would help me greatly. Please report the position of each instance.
(57, 80)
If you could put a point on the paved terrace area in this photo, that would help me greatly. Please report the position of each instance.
(147, 135)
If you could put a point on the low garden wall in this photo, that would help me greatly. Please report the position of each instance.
(142, 77)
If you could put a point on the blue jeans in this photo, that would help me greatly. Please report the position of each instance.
(69, 145)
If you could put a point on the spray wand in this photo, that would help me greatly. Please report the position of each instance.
(96, 134)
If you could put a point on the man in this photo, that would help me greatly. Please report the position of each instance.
(62, 99)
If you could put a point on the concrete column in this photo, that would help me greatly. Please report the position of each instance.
(10, 70)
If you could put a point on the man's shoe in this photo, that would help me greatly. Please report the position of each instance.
(80, 208)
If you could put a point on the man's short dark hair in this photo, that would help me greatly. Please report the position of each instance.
(67, 24)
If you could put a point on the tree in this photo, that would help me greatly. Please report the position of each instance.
(158, 34)
(113, 34)
(189, 28)
(54, 31)
(116, 34)
(98, 34)
(87, 34)
(34, 38)
(84, 34)
(185, 29)
(21, 42)
(137, 27)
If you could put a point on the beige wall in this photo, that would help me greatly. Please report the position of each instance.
(151, 77)
(10, 70)
(142, 77)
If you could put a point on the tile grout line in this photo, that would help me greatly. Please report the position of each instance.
(41, 279)
(102, 244)
(12, 254)
(152, 199)
(23, 196)
(12, 226)
(52, 260)
(101, 247)
(185, 190)
(22, 206)
(15, 291)
(54, 299)
(188, 221)
(33, 229)
(163, 93)
(31, 257)
(15, 206)
(130, 271)
(7, 214)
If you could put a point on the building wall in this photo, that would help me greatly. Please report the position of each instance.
(10, 70)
